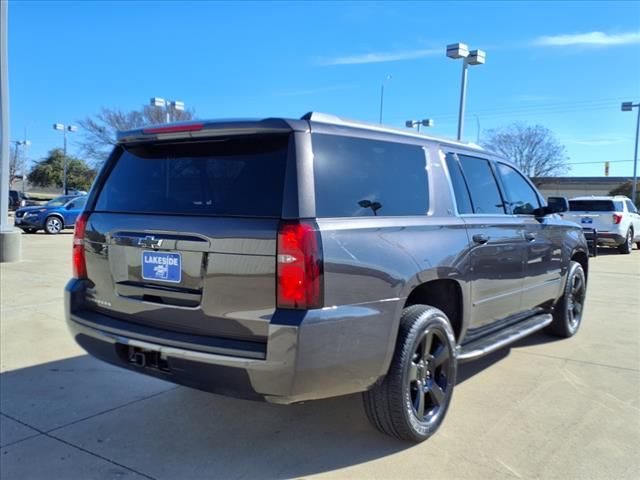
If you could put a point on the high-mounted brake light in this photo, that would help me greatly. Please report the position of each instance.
(617, 218)
(79, 261)
(299, 265)
(191, 127)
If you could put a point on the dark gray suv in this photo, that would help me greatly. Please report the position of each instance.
(292, 260)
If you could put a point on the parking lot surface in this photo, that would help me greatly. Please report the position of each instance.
(543, 408)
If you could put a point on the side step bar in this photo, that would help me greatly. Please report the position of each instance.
(501, 338)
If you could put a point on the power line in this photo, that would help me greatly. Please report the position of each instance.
(549, 108)
(599, 162)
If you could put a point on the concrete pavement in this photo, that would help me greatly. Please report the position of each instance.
(541, 409)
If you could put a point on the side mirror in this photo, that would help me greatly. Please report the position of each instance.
(69, 206)
(543, 211)
(558, 204)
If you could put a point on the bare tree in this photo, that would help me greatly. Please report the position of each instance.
(99, 131)
(16, 164)
(534, 149)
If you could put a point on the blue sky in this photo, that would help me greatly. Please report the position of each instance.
(564, 65)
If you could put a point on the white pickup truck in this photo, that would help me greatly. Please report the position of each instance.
(615, 219)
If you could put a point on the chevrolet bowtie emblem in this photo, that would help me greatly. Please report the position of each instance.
(150, 242)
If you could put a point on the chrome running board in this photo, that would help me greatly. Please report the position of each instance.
(496, 340)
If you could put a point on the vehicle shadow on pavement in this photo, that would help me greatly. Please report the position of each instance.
(164, 431)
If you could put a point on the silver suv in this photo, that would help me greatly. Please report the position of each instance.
(292, 260)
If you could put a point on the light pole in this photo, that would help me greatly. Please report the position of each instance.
(473, 57)
(427, 122)
(169, 106)
(386, 78)
(65, 129)
(628, 107)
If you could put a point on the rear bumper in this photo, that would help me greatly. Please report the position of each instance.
(607, 238)
(309, 354)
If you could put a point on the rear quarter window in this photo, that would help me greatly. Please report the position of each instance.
(237, 176)
(357, 177)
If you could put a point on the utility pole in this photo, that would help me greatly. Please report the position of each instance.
(386, 78)
(628, 107)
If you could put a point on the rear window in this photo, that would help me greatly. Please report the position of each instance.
(592, 206)
(239, 176)
(357, 177)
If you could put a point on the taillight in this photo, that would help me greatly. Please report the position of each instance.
(79, 262)
(299, 265)
(189, 127)
(617, 218)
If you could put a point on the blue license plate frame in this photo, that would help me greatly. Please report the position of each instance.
(161, 266)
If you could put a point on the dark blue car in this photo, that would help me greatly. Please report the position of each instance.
(53, 216)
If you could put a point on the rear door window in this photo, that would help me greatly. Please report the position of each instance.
(482, 184)
(237, 176)
(357, 177)
(460, 190)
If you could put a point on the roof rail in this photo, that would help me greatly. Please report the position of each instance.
(335, 120)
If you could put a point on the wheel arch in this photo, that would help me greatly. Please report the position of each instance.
(53, 214)
(445, 294)
(583, 259)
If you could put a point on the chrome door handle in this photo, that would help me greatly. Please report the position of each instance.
(530, 237)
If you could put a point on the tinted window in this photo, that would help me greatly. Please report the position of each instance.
(239, 176)
(58, 201)
(521, 198)
(79, 203)
(358, 177)
(591, 206)
(482, 185)
(460, 190)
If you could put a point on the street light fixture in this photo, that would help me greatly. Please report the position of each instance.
(473, 57)
(386, 78)
(169, 106)
(427, 122)
(628, 107)
(65, 128)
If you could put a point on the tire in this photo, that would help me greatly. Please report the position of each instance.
(627, 246)
(567, 315)
(29, 230)
(421, 376)
(53, 225)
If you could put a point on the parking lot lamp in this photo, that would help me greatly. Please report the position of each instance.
(169, 106)
(628, 107)
(64, 128)
(473, 57)
(427, 122)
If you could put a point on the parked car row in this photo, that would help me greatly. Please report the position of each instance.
(52, 217)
